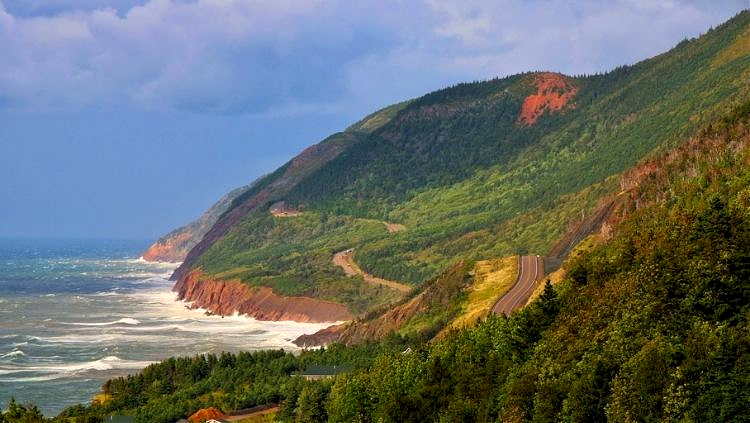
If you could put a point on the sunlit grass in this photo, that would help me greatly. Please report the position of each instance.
(492, 279)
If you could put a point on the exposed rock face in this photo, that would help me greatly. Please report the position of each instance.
(367, 329)
(554, 92)
(597, 221)
(322, 337)
(227, 297)
(174, 246)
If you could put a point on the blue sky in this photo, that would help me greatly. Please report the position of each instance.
(128, 118)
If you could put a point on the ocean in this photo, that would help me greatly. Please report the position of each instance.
(74, 313)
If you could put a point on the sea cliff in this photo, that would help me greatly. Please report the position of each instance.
(229, 297)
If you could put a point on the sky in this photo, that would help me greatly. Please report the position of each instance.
(126, 118)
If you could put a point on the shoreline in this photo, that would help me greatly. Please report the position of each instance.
(114, 317)
(228, 297)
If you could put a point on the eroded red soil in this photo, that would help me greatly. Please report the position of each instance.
(554, 92)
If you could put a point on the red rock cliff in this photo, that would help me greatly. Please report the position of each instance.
(227, 297)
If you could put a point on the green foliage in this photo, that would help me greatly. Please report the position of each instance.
(311, 403)
(649, 326)
(293, 256)
(653, 328)
(178, 387)
(17, 413)
(469, 182)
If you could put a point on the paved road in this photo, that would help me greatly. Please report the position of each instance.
(530, 270)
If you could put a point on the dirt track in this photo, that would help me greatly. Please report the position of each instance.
(530, 270)
(345, 260)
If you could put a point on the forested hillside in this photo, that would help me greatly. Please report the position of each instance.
(476, 171)
(649, 322)
(650, 325)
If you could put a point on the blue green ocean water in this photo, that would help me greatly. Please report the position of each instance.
(74, 313)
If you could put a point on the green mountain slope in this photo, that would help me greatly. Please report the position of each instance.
(651, 325)
(475, 171)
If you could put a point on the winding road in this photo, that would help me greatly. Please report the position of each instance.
(530, 270)
(345, 260)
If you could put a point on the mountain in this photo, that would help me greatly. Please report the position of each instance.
(644, 198)
(648, 323)
(174, 246)
(474, 172)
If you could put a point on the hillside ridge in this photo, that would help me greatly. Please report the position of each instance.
(526, 164)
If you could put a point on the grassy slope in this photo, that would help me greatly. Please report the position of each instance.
(468, 182)
(492, 279)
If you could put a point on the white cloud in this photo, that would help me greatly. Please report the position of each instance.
(233, 56)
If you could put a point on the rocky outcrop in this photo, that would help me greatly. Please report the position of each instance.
(554, 91)
(322, 337)
(598, 220)
(229, 297)
(174, 246)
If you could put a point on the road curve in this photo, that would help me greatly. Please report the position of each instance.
(345, 260)
(530, 270)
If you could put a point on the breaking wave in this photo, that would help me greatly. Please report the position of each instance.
(123, 321)
(58, 371)
(14, 353)
(82, 319)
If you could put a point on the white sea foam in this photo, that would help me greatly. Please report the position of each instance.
(14, 353)
(163, 263)
(29, 379)
(54, 341)
(123, 321)
(107, 294)
(134, 315)
(106, 363)
(58, 371)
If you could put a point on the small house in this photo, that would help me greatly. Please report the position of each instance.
(208, 415)
(317, 372)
